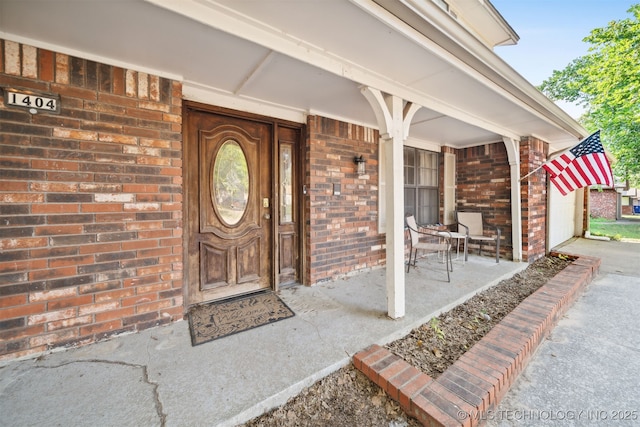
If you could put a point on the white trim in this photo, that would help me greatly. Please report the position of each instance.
(314, 112)
(230, 21)
(513, 152)
(423, 145)
(449, 188)
(476, 51)
(207, 95)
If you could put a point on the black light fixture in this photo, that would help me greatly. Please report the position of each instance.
(360, 165)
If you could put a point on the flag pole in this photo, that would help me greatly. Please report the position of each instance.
(540, 167)
(531, 173)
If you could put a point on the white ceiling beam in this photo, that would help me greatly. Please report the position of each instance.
(253, 74)
(228, 20)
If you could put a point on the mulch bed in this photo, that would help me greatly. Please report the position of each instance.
(348, 398)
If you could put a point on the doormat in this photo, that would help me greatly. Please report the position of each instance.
(223, 318)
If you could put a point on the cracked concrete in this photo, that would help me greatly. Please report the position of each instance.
(156, 378)
(92, 392)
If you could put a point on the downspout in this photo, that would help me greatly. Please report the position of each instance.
(513, 152)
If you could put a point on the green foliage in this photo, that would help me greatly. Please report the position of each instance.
(630, 228)
(231, 175)
(439, 332)
(606, 82)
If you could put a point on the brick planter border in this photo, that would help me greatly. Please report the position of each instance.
(479, 379)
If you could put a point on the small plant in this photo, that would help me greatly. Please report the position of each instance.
(439, 332)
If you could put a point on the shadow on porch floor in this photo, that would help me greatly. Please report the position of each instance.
(156, 377)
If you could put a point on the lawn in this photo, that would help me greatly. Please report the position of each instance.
(628, 227)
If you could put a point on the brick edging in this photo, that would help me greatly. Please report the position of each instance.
(480, 378)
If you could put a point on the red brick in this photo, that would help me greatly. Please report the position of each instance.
(98, 307)
(53, 273)
(56, 208)
(22, 266)
(364, 359)
(398, 381)
(45, 65)
(138, 300)
(98, 328)
(74, 260)
(173, 313)
(21, 310)
(413, 388)
(487, 366)
(70, 302)
(153, 306)
(386, 374)
(484, 385)
(431, 415)
(466, 387)
(99, 248)
(115, 314)
(113, 295)
(52, 339)
(13, 300)
(21, 333)
(51, 316)
(68, 323)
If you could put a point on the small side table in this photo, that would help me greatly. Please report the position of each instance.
(457, 236)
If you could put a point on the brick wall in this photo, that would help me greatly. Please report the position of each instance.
(533, 193)
(90, 202)
(483, 184)
(603, 203)
(342, 230)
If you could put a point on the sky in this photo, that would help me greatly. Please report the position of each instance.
(551, 33)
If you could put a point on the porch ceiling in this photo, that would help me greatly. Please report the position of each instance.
(292, 58)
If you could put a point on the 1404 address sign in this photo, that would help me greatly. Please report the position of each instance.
(32, 101)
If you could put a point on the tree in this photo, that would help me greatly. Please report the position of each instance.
(606, 82)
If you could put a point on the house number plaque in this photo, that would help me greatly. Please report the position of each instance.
(32, 101)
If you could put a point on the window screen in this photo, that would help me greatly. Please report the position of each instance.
(421, 185)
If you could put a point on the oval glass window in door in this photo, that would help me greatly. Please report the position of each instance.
(230, 182)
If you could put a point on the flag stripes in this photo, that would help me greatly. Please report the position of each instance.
(585, 164)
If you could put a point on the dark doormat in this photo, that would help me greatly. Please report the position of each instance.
(222, 318)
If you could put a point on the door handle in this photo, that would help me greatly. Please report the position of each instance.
(267, 216)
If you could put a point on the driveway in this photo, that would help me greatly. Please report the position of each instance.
(587, 371)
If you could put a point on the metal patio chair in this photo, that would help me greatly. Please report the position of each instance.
(472, 224)
(429, 241)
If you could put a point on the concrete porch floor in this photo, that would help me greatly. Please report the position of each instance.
(156, 377)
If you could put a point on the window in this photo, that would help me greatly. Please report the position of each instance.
(421, 185)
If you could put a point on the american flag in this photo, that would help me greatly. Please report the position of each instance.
(585, 164)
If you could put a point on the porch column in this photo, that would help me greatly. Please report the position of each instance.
(393, 122)
(513, 151)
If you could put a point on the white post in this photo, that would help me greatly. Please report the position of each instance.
(394, 200)
(513, 151)
(391, 122)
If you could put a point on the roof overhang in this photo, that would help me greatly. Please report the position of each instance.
(290, 59)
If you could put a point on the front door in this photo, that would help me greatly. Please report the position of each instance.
(229, 170)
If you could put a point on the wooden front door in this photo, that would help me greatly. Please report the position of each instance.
(229, 201)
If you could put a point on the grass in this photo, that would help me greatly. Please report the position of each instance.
(628, 228)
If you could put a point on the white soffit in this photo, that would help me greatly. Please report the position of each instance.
(288, 58)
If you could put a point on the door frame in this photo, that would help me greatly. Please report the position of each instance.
(191, 106)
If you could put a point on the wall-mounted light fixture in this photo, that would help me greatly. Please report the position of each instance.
(360, 165)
